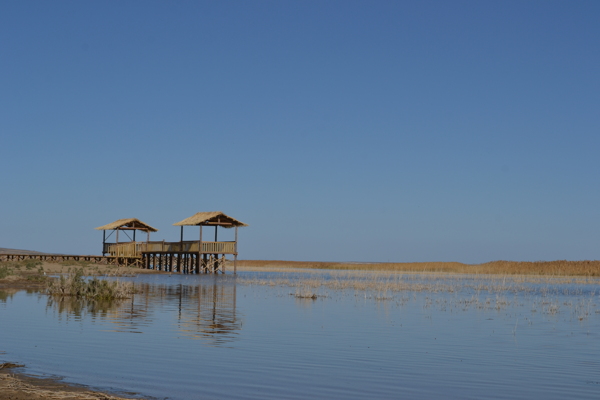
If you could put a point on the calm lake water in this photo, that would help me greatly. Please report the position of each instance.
(222, 337)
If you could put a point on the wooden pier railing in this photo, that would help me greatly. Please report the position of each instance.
(135, 249)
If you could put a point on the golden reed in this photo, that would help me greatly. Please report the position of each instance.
(546, 268)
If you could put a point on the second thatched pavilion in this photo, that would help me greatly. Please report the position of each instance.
(210, 250)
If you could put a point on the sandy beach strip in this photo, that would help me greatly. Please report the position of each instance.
(18, 386)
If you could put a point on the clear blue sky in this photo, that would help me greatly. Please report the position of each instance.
(339, 130)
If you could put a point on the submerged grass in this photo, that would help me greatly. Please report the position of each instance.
(573, 298)
(553, 268)
(74, 284)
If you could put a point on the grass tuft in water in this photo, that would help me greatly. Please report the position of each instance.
(305, 292)
(74, 284)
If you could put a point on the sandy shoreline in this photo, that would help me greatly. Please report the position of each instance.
(19, 386)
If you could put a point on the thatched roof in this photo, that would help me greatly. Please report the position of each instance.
(211, 218)
(128, 224)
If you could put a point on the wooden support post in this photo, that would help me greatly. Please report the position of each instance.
(103, 241)
(200, 249)
(235, 252)
(134, 235)
(216, 226)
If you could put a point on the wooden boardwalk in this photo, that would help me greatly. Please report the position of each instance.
(66, 257)
(168, 261)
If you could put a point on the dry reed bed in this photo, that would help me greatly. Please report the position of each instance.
(544, 294)
(380, 281)
(552, 268)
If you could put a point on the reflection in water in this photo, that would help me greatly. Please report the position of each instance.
(212, 313)
(72, 307)
(8, 294)
(5, 295)
(205, 311)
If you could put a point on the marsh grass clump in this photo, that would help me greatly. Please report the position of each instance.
(74, 284)
(31, 264)
(8, 268)
(39, 278)
(305, 295)
(5, 271)
(305, 292)
(75, 263)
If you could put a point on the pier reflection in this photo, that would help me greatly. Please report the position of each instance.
(205, 311)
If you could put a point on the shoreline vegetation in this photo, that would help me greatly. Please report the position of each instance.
(83, 280)
(34, 273)
(585, 268)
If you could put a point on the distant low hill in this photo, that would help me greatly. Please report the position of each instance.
(17, 251)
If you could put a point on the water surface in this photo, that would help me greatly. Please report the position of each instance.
(216, 337)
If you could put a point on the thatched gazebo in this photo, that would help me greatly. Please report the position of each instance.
(124, 225)
(208, 249)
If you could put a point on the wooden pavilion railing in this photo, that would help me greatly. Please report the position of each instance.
(135, 249)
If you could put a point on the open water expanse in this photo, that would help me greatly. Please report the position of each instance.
(226, 337)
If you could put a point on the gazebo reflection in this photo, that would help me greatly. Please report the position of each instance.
(205, 311)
